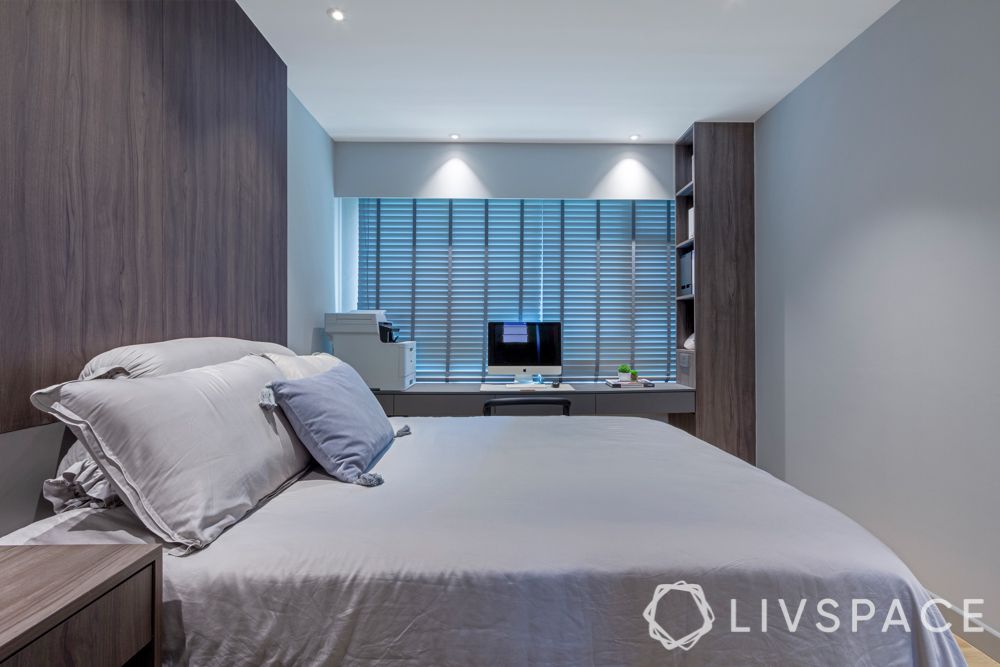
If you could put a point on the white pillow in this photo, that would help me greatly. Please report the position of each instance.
(171, 356)
(190, 452)
(132, 361)
(298, 367)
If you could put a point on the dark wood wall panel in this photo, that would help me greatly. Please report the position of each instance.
(143, 193)
(226, 104)
(725, 403)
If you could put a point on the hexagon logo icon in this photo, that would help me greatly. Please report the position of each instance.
(688, 641)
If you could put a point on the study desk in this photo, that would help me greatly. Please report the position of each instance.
(457, 399)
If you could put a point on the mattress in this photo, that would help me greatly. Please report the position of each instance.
(534, 540)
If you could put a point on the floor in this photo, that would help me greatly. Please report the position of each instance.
(974, 656)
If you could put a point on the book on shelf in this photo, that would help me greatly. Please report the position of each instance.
(638, 384)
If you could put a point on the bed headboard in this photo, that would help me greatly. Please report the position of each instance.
(142, 184)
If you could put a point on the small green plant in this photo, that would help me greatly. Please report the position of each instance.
(624, 368)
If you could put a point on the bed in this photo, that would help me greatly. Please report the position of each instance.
(532, 540)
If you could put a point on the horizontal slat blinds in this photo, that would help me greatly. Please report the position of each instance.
(468, 304)
(654, 318)
(580, 307)
(443, 268)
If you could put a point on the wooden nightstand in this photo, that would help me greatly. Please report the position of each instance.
(80, 605)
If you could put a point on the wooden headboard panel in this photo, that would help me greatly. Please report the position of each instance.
(142, 183)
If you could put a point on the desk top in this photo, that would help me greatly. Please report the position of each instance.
(578, 388)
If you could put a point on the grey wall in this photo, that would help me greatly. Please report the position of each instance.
(599, 171)
(27, 457)
(313, 260)
(878, 286)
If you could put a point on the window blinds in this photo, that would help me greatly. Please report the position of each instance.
(443, 268)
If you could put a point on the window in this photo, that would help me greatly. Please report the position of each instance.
(442, 268)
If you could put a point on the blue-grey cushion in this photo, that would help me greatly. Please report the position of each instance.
(337, 418)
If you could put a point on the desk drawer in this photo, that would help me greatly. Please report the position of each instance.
(387, 403)
(439, 405)
(634, 402)
(106, 633)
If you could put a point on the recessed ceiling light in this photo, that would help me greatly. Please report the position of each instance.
(633, 137)
(454, 136)
(336, 14)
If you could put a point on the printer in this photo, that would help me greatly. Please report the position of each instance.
(367, 341)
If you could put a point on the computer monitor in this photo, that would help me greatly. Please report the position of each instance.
(524, 349)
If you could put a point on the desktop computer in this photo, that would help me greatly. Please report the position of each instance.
(524, 350)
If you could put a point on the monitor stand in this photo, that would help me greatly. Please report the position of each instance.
(524, 380)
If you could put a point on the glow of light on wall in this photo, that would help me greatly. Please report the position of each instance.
(629, 178)
(454, 179)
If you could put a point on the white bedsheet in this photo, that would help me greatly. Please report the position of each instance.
(529, 540)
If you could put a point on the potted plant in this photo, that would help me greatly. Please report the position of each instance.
(624, 373)
(635, 375)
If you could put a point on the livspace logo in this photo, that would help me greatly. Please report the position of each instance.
(860, 611)
(665, 638)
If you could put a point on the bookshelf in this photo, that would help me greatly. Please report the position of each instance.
(713, 168)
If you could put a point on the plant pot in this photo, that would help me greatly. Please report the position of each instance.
(624, 377)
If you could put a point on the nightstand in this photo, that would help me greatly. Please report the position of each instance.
(80, 605)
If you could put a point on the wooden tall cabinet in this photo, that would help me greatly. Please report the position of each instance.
(714, 172)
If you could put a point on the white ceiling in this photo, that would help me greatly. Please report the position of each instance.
(550, 70)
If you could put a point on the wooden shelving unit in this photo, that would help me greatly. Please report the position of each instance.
(713, 166)
(684, 186)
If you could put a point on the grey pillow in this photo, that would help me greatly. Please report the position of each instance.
(190, 452)
(338, 419)
(298, 367)
(172, 356)
(70, 488)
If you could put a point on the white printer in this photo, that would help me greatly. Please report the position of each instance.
(358, 338)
